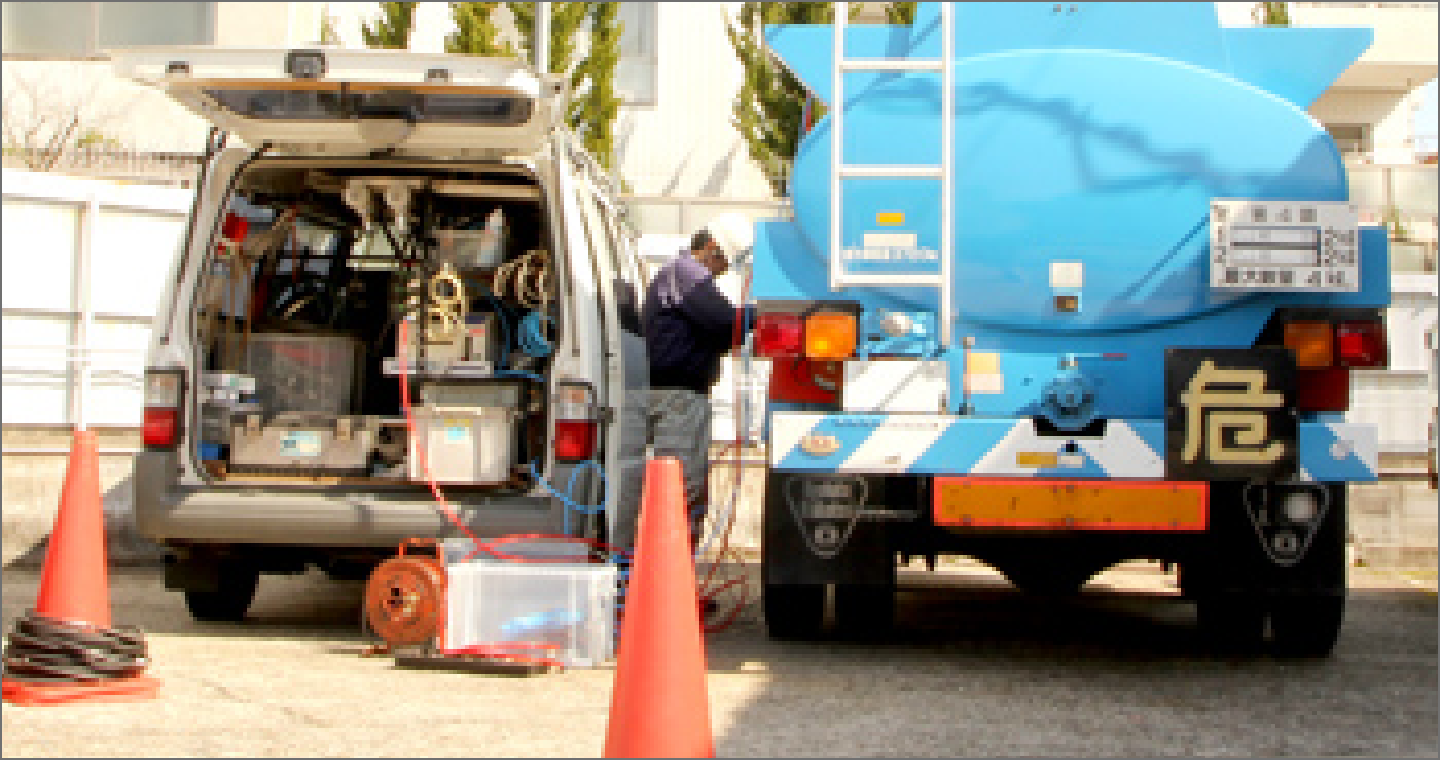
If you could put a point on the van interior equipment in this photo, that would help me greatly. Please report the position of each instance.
(315, 272)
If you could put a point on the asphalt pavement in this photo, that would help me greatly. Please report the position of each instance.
(975, 669)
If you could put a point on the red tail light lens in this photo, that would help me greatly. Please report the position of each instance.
(163, 394)
(806, 381)
(779, 336)
(161, 427)
(1323, 390)
(576, 423)
(1361, 344)
(574, 439)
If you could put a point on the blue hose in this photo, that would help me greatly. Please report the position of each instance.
(531, 335)
(620, 558)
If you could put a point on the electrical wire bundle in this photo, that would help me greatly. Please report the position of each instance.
(45, 650)
(525, 280)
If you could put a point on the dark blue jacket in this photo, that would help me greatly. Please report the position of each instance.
(689, 324)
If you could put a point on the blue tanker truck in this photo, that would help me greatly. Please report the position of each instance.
(1067, 285)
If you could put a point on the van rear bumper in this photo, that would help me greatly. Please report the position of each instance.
(166, 512)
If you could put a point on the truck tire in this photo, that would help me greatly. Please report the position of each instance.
(1231, 624)
(231, 600)
(864, 611)
(794, 610)
(1306, 626)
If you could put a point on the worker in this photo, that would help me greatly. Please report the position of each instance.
(688, 325)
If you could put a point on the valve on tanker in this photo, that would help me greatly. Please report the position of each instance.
(1069, 398)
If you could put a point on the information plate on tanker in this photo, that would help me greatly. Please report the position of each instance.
(1284, 246)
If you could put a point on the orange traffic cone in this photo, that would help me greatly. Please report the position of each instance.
(659, 706)
(72, 611)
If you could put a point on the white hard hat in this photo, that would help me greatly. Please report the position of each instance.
(734, 233)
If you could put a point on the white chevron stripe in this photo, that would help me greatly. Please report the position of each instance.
(1000, 460)
(896, 444)
(1362, 440)
(1122, 453)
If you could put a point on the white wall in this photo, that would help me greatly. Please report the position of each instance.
(685, 144)
(1388, 113)
(266, 24)
(133, 241)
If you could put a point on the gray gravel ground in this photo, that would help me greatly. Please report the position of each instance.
(974, 670)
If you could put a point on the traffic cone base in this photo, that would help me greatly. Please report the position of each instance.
(115, 690)
(73, 602)
(659, 706)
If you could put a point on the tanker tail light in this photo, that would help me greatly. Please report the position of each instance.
(830, 336)
(1325, 352)
(823, 335)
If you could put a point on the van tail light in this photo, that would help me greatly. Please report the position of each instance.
(778, 335)
(1312, 342)
(577, 422)
(1323, 390)
(830, 335)
(1361, 344)
(164, 392)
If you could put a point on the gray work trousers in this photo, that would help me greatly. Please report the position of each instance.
(677, 424)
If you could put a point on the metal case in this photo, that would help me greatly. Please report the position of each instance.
(303, 444)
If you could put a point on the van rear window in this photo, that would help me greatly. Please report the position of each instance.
(321, 105)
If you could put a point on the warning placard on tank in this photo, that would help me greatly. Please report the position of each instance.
(1284, 245)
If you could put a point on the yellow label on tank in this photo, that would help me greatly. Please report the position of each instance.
(1037, 459)
(890, 218)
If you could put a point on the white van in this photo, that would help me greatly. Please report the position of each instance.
(389, 215)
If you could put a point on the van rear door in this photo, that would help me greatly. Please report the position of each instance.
(328, 101)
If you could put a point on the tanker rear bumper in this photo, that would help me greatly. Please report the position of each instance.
(946, 445)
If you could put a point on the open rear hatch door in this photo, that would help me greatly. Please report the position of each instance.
(356, 102)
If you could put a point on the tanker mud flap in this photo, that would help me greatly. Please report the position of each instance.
(1231, 421)
(822, 529)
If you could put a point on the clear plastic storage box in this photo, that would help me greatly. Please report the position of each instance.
(303, 373)
(572, 606)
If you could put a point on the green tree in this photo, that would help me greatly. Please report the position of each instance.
(328, 35)
(771, 102)
(391, 30)
(1272, 14)
(567, 20)
(594, 105)
(593, 111)
(900, 14)
(475, 31)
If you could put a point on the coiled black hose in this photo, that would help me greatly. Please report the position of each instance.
(42, 649)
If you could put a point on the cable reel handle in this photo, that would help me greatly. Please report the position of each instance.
(431, 543)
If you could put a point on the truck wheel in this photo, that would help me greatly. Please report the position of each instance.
(1306, 626)
(1230, 624)
(794, 611)
(864, 611)
(229, 602)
